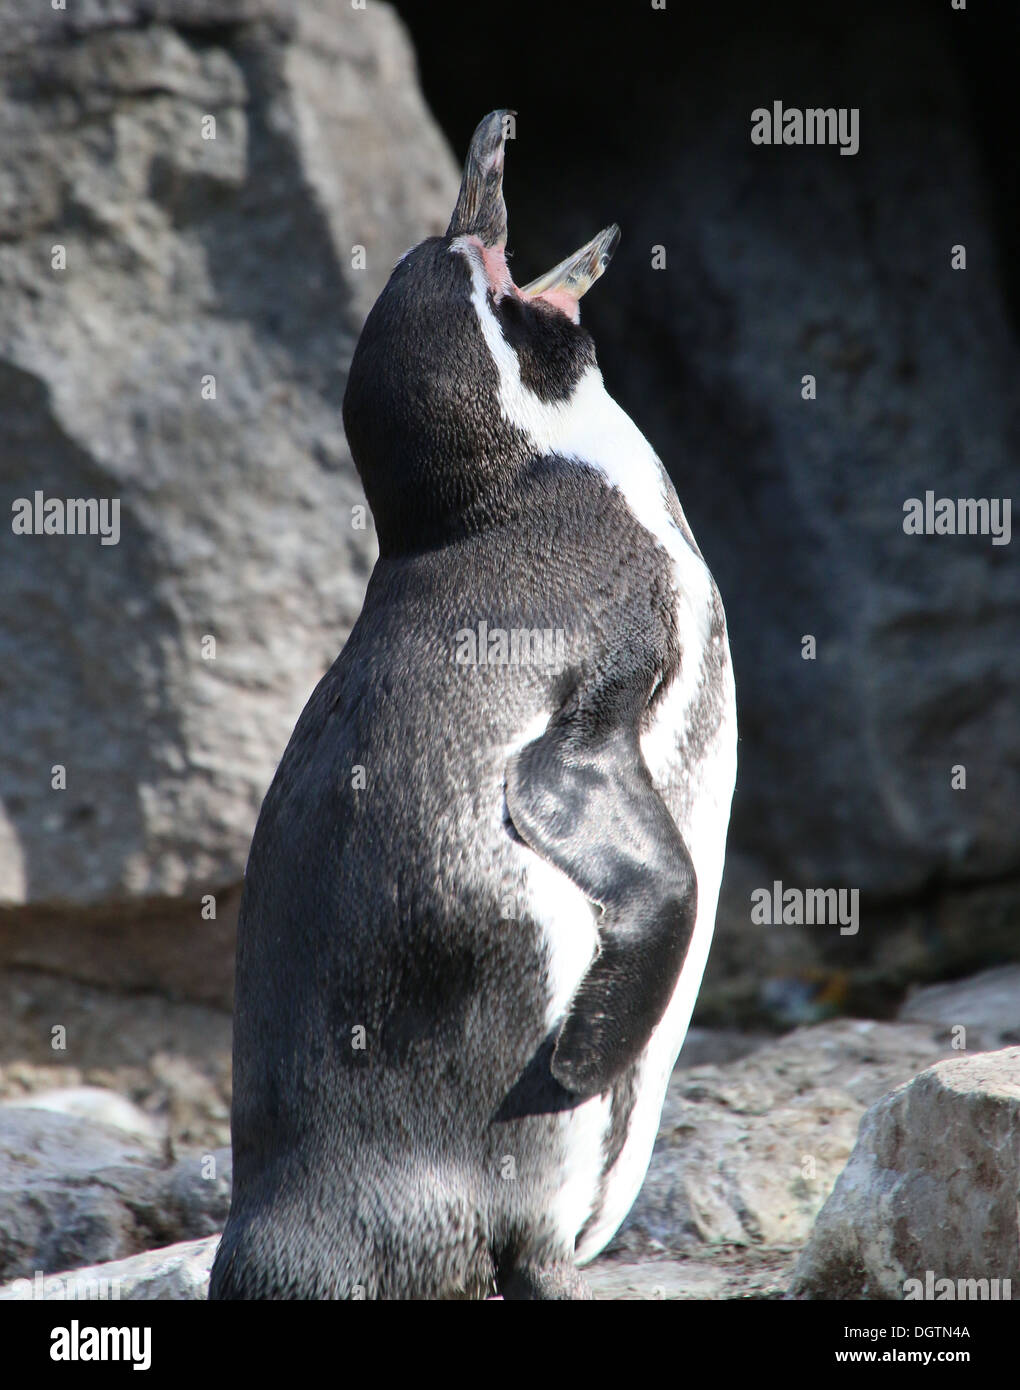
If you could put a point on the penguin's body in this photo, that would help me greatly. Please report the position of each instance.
(483, 884)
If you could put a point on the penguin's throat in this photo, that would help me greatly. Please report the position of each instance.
(500, 282)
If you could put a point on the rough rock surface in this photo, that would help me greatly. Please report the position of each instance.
(748, 1152)
(932, 1188)
(179, 1272)
(182, 1272)
(172, 1059)
(722, 1274)
(186, 257)
(97, 1105)
(985, 1006)
(75, 1192)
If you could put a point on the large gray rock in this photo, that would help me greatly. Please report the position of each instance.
(931, 1191)
(185, 257)
(69, 1191)
(75, 1192)
(976, 1014)
(748, 1152)
(179, 1272)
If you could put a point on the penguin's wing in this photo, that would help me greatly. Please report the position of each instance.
(582, 797)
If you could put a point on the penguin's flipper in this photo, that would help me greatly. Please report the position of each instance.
(585, 801)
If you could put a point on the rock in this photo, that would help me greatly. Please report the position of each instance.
(720, 1045)
(742, 1274)
(235, 257)
(166, 946)
(196, 1194)
(172, 1058)
(182, 1272)
(52, 24)
(197, 1106)
(76, 1192)
(71, 1191)
(97, 1104)
(187, 258)
(930, 1192)
(986, 1006)
(179, 1272)
(748, 1152)
(652, 1279)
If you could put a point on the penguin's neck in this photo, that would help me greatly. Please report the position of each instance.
(586, 427)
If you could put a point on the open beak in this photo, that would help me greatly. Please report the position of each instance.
(481, 212)
(480, 209)
(576, 275)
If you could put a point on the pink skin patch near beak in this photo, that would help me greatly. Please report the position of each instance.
(497, 273)
(559, 299)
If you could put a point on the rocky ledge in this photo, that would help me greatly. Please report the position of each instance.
(843, 1160)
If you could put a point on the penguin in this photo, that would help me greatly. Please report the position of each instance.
(483, 883)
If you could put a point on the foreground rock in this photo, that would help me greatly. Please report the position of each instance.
(179, 1272)
(719, 1275)
(188, 259)
(77, 1192)
(931, 1191)
(747, 1153)
(977, 1014)
(172, 1058)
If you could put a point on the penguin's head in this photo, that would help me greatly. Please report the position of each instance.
(455, 359)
